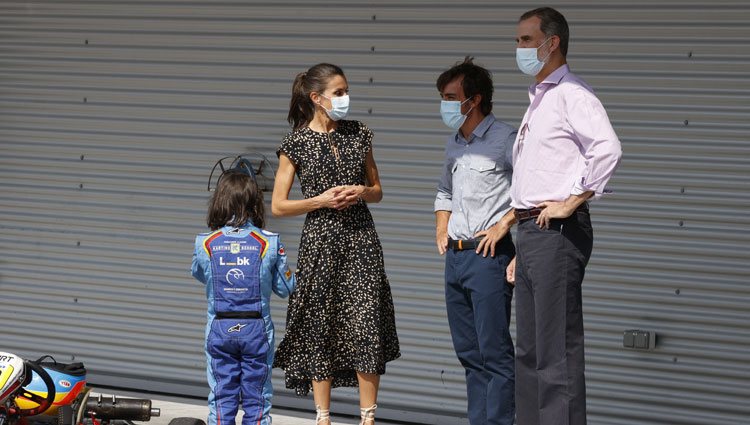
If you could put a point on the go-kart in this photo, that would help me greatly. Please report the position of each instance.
(51, 392)
(15, 374)
(45, 391)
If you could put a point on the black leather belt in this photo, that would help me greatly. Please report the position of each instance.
(463, 244)
(238, 315)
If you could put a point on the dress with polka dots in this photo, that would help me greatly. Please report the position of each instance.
(340, 318)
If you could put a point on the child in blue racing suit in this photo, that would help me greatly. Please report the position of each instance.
(240, 264)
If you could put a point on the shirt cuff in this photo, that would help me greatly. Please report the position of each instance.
(443, 204)
(579, 189)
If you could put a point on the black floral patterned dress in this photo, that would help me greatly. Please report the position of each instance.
(340, 319)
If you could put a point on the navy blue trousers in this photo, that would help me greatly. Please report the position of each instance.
(478, 301)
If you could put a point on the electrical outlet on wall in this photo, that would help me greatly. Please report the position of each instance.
(639, 339)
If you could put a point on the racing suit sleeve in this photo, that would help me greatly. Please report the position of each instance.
(284, 280)
(200, 259)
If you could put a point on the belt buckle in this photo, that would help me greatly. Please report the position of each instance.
(456, 244)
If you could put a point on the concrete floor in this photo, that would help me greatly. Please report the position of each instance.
(175, 407)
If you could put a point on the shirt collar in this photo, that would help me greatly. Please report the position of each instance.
(553, 78)
(480, 130)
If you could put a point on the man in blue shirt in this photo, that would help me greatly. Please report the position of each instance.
(472, 197)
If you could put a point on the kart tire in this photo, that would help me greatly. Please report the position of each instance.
(186, 421)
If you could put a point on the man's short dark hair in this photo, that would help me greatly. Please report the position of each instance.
(477, 80)
(552, 23)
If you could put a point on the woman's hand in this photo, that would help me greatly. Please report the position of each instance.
(332, 198)
(350, 195)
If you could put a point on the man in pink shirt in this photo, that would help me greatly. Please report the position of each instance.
(564, 154)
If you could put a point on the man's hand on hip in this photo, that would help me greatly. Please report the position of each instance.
(550, 210)
(564, 209)
(491, 237)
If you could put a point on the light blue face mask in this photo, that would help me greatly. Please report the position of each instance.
(339, 107)
(528, 61)
(450, 110)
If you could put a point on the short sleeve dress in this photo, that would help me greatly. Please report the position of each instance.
(340, 318)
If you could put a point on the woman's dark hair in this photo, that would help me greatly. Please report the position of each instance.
(552, 23)
(316, 79)
(236, 200)
(477, 80)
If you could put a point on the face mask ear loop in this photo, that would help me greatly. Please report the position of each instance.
(328, 111)
(469, 111)
(540, 46)
(319, 104)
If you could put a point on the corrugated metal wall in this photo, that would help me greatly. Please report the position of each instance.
(112, 113)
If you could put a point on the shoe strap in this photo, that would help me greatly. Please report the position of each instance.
(322, 415)
(367, 414)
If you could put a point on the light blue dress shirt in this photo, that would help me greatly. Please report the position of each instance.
(475, 183)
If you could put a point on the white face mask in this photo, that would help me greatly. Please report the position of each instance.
(528, 61)
(339, 107)
(450, 110)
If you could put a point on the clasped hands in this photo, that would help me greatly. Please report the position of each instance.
(341, 197)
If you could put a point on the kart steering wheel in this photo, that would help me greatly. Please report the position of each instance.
(43, 402)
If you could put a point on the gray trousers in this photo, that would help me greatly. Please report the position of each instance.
(550, 264)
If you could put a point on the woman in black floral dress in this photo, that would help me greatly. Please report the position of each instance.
(340, 325)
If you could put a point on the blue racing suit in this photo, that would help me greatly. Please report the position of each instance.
(240, 267)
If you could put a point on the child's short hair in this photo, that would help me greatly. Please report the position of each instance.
(236, 200)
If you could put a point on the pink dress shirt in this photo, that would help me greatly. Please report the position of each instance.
(565, 146)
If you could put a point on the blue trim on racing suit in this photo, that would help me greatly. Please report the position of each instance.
(240, 268)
